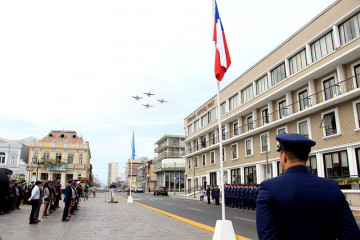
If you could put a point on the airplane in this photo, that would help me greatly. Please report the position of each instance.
(137, 97)
(147, 105)
(149, 94)
(161, 100)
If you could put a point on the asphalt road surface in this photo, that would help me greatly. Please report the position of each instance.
(243, 220)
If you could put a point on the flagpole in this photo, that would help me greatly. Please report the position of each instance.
(130, 199)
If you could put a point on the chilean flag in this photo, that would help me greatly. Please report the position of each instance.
(222, 56)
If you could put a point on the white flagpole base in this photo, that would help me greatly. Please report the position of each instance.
(130, 199)
(224, 230)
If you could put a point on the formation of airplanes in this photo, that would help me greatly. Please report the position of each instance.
(149, 94)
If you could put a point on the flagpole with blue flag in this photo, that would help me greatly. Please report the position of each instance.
(130, 199)
(224, 228)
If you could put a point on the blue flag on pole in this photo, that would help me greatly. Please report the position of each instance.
(133, 146)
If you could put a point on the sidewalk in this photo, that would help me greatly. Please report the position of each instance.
(97, 219)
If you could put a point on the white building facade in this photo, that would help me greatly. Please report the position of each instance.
(113, 172)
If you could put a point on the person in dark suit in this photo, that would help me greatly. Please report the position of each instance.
(208, 194)
(299, 205)
(217, 195)
(67, 201)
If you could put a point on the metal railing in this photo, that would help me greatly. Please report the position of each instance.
(314, 99)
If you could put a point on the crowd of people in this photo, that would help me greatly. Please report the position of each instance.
(236, 196)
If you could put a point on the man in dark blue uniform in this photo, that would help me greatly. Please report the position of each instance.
(67, 200)
(217, 195)
(299, 205)
(226, 192)
(208, 194)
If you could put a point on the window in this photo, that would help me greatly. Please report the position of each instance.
(278, 74)
(322, 46)
(70, 158)
(250, 175)
(2, 157)
(234, 151)
(235, 176)
(213, 138)
(281, 130)
(303, 99)
(357, 75)
(196, 162)
(247, 94)
(261, 85)
(297, 62)
(264, 143)
(357, 153)
(265, 116)
(349, 29)
(312, 165)
(357, 114)
(336, 164)
(329, 123)
(303, 128)
(196, 183)
(212, 157)
(204, 160)
(233, 102)
(282, 109)
(81, 158)
(222, 108)
(46, 156)
(236, 129)
(58, 156)
(223, 133)
(196, 125)
(249, 123)
(212, 115)
(223, 154)
(204, 121)
(329, 88)
(36, 156)
(197, 145)
(189, 163)
(213, 180)
(190, 129)
(248, 147)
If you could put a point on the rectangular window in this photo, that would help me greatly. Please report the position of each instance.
(336, 165)
(213, 181)
(196, 125)
(250, 175)
(235, 176)
(234, 151)
(236, 129)
(329, 88)
(203, 160)
(282, 109)
(278, 74)
(213, 139)
(46, 156)
(223, 133)
(223, 154)
(58, 156)
(233, 102)
(261, 85)
(204, 121)
(212, 157)
(212, 115)
(222, 107)
(196, 162)
(248, 147)
(329, 123)
(303, 128)
(190, 129)
(357, 114)
(297, 62)
(312, 165)
(281, 130)
(250, 123)
(349, 29)
(81, 158)
(265, 116)
(357, 75)
(303, 99)
(247, 94)
(264, 143)
(189, 163)
(70, 158)
(322, 46)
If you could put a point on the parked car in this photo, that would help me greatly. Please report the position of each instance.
(126, 190)
(161, 190)
(132, 189)
(139, 189)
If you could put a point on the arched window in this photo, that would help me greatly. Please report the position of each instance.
(2, 157)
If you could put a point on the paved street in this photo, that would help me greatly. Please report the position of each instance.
(97, 219)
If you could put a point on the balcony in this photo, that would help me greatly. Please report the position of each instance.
(167, 144)
(331, 95)
(171, 167)
(165, 155)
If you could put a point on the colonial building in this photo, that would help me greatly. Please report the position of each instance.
(14, 154)
(60, 155)
(136, 163)
(169, 164)
(309, 84)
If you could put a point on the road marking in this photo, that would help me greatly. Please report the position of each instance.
(194, 209)
(168, 203)
(245, 219)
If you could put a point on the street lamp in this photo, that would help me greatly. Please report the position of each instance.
(37, 162)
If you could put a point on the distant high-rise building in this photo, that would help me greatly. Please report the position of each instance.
(113, 172)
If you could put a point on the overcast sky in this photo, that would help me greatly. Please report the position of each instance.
(74, 65)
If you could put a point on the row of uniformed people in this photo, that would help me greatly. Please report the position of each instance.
(12, 196)
(241, 196)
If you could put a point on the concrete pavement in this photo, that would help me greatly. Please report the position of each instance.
(97, 219)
